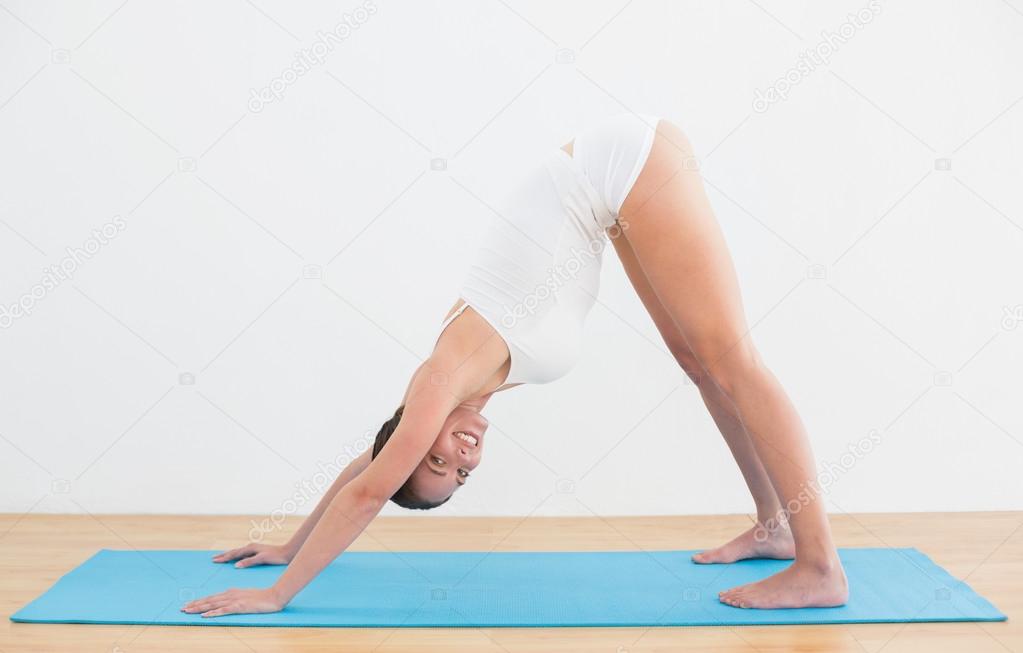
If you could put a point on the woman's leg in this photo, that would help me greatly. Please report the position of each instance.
(770, 536)
(680, 248)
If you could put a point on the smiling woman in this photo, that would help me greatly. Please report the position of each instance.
(448, 463)
(630, 180)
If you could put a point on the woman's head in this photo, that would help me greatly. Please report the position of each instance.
(448, 463)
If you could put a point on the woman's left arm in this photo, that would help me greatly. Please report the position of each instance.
(357, 503)
(461, 363)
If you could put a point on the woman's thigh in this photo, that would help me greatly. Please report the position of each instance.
(675, 237)
(666, 326)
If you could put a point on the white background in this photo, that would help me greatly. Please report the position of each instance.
(141, 110)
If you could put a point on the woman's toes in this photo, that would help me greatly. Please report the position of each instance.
(735, 591)
(735, 597)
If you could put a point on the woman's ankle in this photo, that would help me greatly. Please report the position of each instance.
(772, 519)
(824, 562)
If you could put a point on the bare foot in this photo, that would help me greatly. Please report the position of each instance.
(799, 586)
(757, 542)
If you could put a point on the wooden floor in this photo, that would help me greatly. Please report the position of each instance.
(984, 548)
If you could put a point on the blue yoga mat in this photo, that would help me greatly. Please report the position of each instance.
(390, 589)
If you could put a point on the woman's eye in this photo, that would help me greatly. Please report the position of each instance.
(463, 473)
(437, 461)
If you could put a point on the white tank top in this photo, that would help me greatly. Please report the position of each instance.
(536, 274)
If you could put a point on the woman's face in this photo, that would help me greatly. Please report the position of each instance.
(454, 454)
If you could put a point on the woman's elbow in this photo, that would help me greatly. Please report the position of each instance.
(368, 496)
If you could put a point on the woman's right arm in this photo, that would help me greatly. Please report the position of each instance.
(349, 512)
(455, 372)
(356, 504)
(257, 553)
(352, 508)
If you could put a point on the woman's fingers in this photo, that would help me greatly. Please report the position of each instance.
(227, 556)
(209, 602)
(253, 554)
(236, 601)
(202, 605)
(235, 554)
(219, 606)
(251, 561)
(198, 602)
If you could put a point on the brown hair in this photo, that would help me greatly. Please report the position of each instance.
(404, 497)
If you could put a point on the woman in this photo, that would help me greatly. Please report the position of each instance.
(519, 320)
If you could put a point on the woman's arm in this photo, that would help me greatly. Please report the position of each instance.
(350, 510)
(357, 504)
(455, 372)
(256, 553)
(347, 475)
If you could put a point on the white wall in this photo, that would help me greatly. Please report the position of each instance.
(140, 117)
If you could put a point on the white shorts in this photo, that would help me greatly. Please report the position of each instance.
(611, 154)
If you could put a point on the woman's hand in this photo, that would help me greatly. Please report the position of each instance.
(252, 601)
(252, 555)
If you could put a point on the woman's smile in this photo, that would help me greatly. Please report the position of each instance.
(469, 438)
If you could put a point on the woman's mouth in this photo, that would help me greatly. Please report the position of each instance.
(468, 438)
